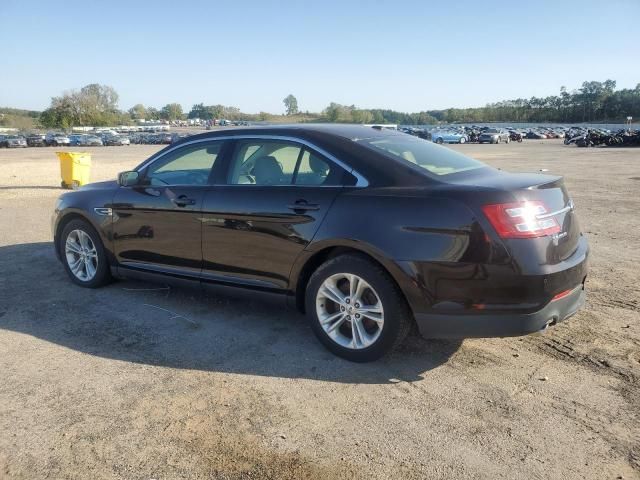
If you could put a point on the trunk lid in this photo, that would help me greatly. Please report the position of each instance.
(490, 186)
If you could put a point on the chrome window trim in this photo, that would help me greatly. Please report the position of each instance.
(361, 181)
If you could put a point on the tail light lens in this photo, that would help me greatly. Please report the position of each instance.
(521, 219)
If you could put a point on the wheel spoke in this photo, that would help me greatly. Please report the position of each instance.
(358, 333)
(73, 246)
(84, 240)
(89, 268)
(373, 312)
(76, 265)
(336, 324)
(331, 318)
(358, 286)
(332, 293)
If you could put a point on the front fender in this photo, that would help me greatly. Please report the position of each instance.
(83, 204)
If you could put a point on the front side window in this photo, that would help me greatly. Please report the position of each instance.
(272, 162)
(433, 158)
(190, 165)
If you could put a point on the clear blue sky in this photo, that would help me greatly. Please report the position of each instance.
(406, 55)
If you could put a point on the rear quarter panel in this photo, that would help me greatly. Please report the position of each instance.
(413, 237)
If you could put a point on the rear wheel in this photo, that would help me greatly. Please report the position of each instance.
(83, 255)
(462, 140)
(355, 308)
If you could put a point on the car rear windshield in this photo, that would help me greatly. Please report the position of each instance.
(433, 158)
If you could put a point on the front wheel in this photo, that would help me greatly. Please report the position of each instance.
(439, 141)
(83, 255)
(355, 308)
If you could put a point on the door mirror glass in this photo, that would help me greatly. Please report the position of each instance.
(127, 179)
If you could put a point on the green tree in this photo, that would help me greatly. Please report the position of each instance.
(291, 104)
(153, 113)
(138, 112)
(171, 112)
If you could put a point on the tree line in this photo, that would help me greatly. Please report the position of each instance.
(97, 105)
(595, 102)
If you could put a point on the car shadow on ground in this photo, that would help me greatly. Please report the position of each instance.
(181, 328)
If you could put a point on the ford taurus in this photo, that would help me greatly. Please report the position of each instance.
(367, 231)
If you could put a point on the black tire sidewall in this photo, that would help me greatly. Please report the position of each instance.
(396, 313)
(103, 274)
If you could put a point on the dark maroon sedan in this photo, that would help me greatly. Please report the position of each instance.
(367, 231)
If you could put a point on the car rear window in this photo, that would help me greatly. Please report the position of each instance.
(433, 158)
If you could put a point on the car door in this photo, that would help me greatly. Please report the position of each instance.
(157, 223)
(276, 194)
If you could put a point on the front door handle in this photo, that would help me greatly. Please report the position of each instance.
(183, 201)
(303, 206)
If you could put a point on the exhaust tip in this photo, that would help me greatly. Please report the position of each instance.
(549, 323)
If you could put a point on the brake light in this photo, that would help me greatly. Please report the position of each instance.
(521, 219)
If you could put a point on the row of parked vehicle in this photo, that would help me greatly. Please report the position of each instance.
(467, 135)
(596, 138)
(486, 134)
(97, 139)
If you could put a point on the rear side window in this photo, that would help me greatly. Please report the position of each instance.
(313, 170)
(264, 163)
(433, 158)
(272, 162)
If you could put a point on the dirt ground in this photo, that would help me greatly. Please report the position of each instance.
(136, 382)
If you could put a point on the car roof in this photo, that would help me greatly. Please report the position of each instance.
(338, 140)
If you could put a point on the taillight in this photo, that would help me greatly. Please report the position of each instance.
(521, 219)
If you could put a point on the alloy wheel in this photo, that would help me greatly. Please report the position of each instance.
(349, 311)
(81, 255)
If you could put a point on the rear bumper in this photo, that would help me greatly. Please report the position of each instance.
(500, 325)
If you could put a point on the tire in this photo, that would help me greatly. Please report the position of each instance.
(102, 274)
(507, 141)
(439, 141)
(497, 140)
(462, 140)
(381, 336)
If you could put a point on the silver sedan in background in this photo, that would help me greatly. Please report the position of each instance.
(494, 135)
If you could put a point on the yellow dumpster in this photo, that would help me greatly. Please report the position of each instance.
(74, 168)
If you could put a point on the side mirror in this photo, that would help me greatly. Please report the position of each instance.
(128, 179)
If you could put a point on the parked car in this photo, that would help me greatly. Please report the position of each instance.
(117, 140)
(76, 139)
(56, 140)
(536, 135)
(494, 135)
(449, 137)
(367, 231)
(13, 141)
(36, 140)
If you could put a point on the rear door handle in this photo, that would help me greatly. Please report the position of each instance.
(303, 206)
(183, 201)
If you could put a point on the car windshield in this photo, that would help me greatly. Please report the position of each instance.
(433, 158)
(492, 130)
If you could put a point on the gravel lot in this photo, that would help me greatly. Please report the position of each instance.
(104, 384)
